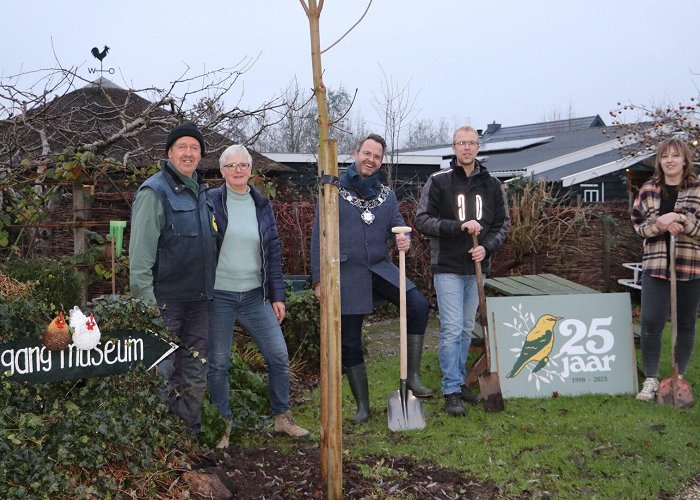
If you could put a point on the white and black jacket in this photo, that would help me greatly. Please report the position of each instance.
(450, 198)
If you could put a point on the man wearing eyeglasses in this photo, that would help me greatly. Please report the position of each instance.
(367, 212)
(455, 203)
(172, 255)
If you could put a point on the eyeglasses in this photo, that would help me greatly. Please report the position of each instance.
(471, 144)
(368, 154)
(237, 166)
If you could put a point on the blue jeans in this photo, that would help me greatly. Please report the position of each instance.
(458, 300)
(258, 318)
(186, 374)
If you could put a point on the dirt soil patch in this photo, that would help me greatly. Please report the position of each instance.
(271, 473)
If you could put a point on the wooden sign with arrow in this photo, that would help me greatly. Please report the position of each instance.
(118, 352)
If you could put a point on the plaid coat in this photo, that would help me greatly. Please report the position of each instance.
(644, 214)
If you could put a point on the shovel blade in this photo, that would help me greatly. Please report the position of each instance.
(676, 392)
(490, 389)
(404, 412)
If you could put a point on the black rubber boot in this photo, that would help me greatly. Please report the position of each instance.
(357, 377)
(454, 406)
(415, 352)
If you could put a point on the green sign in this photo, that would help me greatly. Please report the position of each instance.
(118, 352)
(563, 344)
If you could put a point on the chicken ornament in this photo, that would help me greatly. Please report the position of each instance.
(57, 334)
(86, 333)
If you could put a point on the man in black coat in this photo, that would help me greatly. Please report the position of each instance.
(454, 204)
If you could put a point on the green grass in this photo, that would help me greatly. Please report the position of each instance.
(568, 447)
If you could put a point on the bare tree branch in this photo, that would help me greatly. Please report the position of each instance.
(395, 108)
(349, 29)
(40, 118)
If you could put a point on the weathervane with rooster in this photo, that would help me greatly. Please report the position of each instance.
(100, 55)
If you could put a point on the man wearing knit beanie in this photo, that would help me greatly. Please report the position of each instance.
(185, 130)
(172, 255)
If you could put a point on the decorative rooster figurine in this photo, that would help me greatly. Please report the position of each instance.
(99, 55)
(57, 335)
(86, 333)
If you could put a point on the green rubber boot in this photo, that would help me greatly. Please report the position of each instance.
(415, 352)
(357, 377)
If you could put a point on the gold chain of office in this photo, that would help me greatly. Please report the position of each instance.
(365, 206)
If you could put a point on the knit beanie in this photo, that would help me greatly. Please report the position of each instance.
(184, 130)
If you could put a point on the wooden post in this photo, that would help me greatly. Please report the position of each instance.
(81, 213)
(606, 253)
(331, 389)
(114, 274)
(331, 283)
(325, 385)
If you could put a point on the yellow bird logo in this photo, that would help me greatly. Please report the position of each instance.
(538, 344)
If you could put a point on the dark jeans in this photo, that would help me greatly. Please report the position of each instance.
(351, 324)
(185, 369)
(258, 318)
(656, 304)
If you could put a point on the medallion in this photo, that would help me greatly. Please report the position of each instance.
(365, 206)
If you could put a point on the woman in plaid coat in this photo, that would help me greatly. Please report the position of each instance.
(668, 204)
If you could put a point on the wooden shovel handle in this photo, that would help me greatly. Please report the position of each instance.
(402, 305)
(674, 304)
(483, 318)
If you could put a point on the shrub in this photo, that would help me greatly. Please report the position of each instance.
(61, 436)
(22, 318)
(302, 327)
(84, 438)
(249, 400)
(124, 312)
(57, 283)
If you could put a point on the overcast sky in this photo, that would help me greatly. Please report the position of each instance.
(509, 61)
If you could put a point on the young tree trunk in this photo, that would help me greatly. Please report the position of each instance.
(331, 409)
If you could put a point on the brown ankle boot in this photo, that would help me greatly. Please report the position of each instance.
(285, 423)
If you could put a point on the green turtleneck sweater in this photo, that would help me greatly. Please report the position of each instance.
(240, 262)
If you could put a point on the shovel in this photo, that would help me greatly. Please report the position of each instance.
(489, 384)
(405, 411)
(674, 391)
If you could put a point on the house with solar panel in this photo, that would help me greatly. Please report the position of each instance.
(584, 156)
(587, 158)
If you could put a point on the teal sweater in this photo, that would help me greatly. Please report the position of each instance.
(240, 262)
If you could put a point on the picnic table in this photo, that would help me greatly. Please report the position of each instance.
(535, 284)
